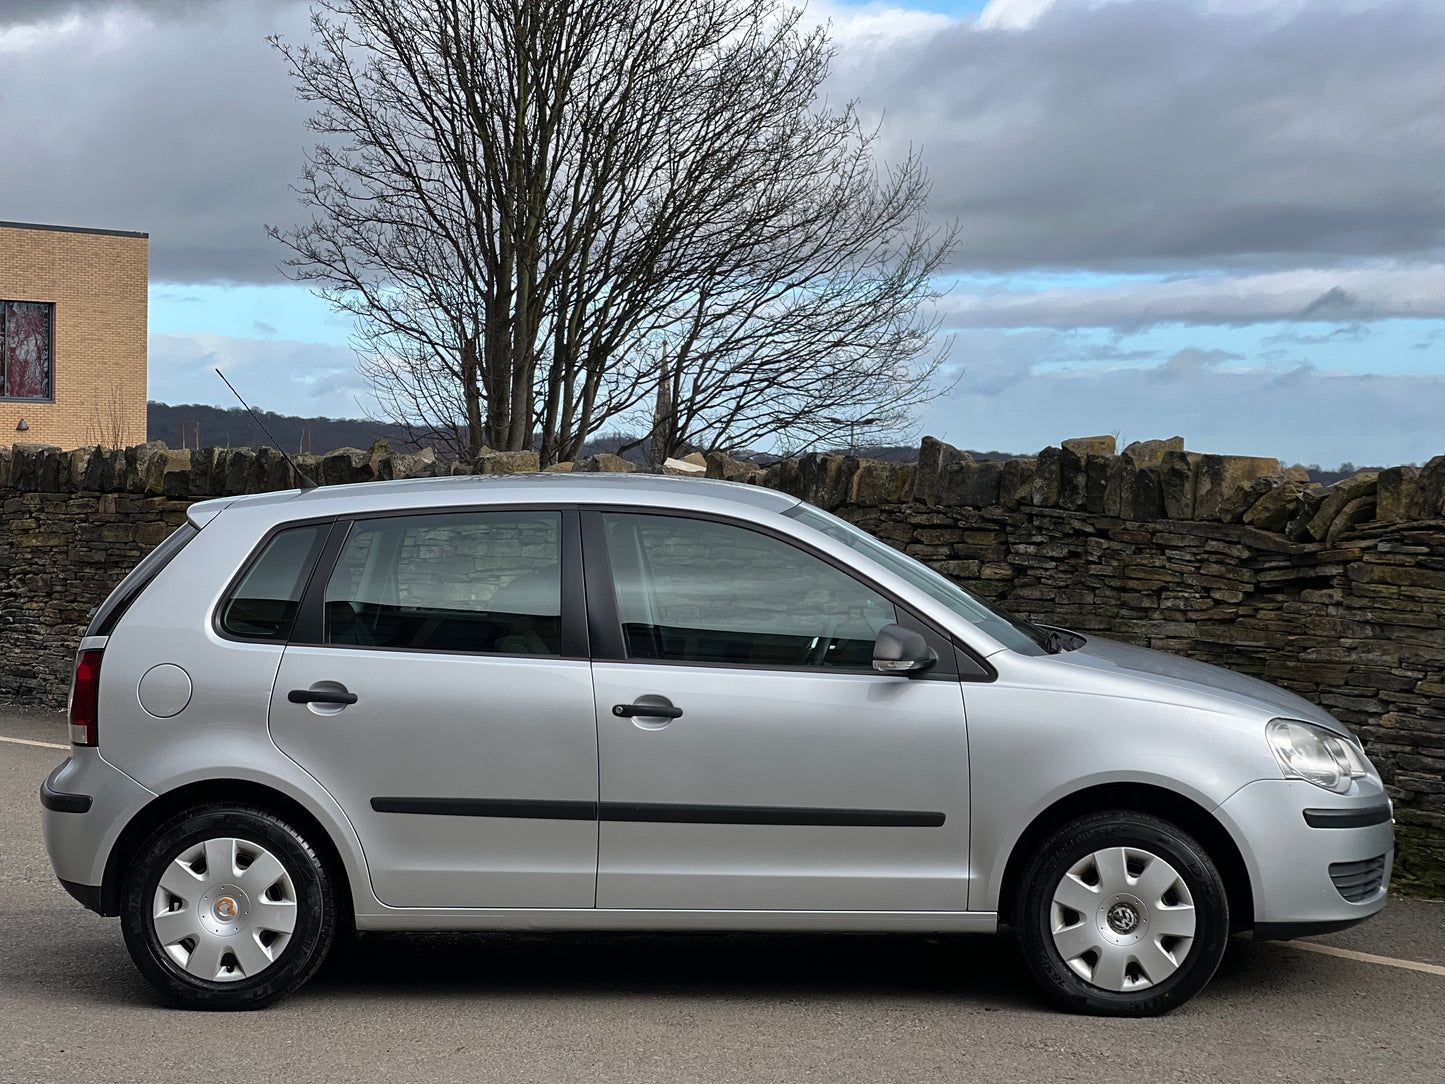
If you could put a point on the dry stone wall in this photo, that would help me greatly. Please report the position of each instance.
(1337, 593)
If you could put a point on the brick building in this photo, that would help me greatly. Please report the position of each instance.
(72, 335)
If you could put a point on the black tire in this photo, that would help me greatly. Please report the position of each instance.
(309, 880)
(1073, 844)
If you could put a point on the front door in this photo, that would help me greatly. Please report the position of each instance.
(438, 704)
(750, 757)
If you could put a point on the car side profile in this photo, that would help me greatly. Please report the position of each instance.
(637, 702)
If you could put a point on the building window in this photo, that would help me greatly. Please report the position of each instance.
(26, 331)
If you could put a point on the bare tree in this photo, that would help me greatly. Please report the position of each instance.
(529, 204)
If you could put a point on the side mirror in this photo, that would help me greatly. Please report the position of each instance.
(900, 650)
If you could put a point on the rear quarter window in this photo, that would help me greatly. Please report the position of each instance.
(109, 613)
(263, 605)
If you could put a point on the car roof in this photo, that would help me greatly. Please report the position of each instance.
(559, 487)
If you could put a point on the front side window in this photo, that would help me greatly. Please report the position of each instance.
(26, 334)
(1013, 632)
(463, 581)
(263, 606)
(692, 590)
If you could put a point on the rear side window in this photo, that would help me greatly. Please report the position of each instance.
(263, 606)
(466, 581)
(140, 577)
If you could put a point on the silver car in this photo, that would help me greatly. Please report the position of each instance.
(650, 703)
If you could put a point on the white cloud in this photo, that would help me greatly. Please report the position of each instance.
(1017, 392)
(308, 379)
(1324, 295)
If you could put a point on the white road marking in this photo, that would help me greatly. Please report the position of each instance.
(27, 741)
(1367, 957)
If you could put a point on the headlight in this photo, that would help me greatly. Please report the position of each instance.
(1317, 755)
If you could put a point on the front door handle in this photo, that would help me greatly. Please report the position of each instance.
(646, 711)
(321, 696)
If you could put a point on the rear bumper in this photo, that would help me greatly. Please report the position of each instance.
(60, 801)
(88, 895)
(1317, 862)
(85, 804)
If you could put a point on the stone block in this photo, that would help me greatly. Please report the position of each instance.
(1083, 447)
(29, 468)
(1147, 496)
(1150, 453)
(723, 466)
(1178, 473)
(876, 482)
(1073, 480)
(784, 477)
(530, 463)
(1357, 511)
(203, 470)
(936, 460)
(1219, 476)
(1096, 481)
(1395, 493)
(168, 468)
(270, 472)
(1429, 499)
(821, 480)
(1048, 479)
(1119, 486)
(1016, 482)
(1275, 508)
(420, 464)
(105, 471)
(1336, 497)
(342, 467)
(1310, 499)
(972, 483)
(1234, 505)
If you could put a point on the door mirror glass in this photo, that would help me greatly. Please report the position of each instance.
(900, 650)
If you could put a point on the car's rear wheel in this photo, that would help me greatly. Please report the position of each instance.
(1122, 914)
(227, 907)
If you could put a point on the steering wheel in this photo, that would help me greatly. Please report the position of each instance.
(818, 653)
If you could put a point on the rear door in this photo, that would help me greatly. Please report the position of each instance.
(750, 757)
(437, 685)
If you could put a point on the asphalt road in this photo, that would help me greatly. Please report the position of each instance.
(676, 1009)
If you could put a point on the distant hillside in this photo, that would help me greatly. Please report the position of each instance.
(196, 426)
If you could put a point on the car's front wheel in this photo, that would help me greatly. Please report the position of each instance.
(227, 907)
(1122, 914)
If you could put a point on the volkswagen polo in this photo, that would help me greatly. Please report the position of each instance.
(565, 702)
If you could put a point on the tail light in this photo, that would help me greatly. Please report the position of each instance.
(84, 697)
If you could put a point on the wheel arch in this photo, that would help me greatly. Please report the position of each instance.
(208, 791)
(1139, 798)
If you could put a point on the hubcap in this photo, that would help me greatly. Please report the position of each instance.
(225, 909)
(1122, 919)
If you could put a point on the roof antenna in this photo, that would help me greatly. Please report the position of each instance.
(305, 482)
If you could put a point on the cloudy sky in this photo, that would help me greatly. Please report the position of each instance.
(1218, 218)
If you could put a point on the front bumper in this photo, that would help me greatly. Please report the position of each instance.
(1317, 861)
(85, 804)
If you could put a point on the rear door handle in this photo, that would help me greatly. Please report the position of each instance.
(646, 711)
(321, 696)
